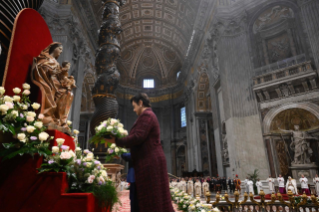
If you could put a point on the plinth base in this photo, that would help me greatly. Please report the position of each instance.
(308, 170)
(112, 170)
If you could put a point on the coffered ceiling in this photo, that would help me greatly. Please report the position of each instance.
(155, 38)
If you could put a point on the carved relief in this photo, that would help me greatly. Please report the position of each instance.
(279, 48)
(272, 16)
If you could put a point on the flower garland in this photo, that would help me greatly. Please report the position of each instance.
(23, 124)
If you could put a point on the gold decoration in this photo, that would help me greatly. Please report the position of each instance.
(290, 117)
(236, 204)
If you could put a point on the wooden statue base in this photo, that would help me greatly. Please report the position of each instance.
(59, 128)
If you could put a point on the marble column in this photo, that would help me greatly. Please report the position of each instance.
(310, 14)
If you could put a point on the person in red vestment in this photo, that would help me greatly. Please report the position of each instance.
(148, 158)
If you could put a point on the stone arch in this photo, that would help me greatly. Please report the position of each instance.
(308, 106)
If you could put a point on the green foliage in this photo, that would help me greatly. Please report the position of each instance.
(254, 177)
(12, 149)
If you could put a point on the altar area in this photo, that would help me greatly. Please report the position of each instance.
(41, 167)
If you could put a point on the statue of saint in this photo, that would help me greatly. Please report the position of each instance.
(300, 145)
(56, 86)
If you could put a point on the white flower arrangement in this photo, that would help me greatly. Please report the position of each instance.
(109, 127)
(19, 117)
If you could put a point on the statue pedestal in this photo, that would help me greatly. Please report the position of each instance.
(308, 170)
(112, 169)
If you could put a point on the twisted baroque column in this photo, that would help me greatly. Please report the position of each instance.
(106, 105)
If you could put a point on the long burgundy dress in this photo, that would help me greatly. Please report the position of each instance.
(149, 163)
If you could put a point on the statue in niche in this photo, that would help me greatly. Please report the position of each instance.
(300, 145)
(56, 87)
(225, 144)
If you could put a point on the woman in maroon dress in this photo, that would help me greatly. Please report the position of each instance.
(148, 158)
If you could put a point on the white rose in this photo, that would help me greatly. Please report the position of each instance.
(35, 106)
(2, 90)
(117, 150)
(7, 99)
(55, 149)
(99, 128)
(16, 90)
(15, 113)
(120, 125)
(76, 132)
(114, 121)
(91, 178)
(30, 129)
(103, 173)
(21, 136)
(65, 155)
(16, 98)
(43, 136)
(88, 165)
(124, 150)
(31, 113)
(38, 124)
(24, 107)
(26, 92)
(69, 122)
(30, 119)
(4, 109)
(125, 132)
(109, 128)
(72, 153)
(60, 141)
(113, 146)
(26, 86)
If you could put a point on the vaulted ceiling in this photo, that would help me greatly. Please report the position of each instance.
(155, 38)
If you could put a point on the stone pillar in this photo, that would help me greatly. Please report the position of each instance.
(310, 14)
(76, 105)
(244, 136)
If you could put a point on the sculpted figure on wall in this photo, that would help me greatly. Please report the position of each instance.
(55, 85)
(300, 145)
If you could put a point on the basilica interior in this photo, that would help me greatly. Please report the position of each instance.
(232, 82)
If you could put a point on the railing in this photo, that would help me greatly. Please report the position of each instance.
(280, 64)
(300, 68)
(276, 204)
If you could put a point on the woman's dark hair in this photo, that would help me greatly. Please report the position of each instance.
(53, 47)
(143, 97)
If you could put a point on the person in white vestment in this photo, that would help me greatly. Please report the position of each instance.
(259, 186)
(205, 187)
(250, 184)
(246, 185)
(190, 187)
(182, 185)
(291, 185)
(271, 184)
(316, 183)
(198, 188)
(281, 184)
(304, 185)
(174, 184)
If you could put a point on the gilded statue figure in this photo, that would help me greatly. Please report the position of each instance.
(56, 86)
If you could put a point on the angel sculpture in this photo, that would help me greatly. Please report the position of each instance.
(292, 186)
